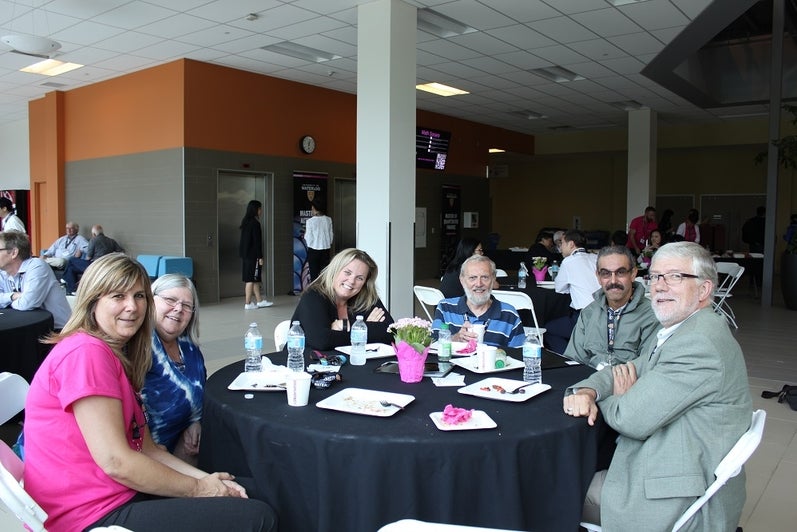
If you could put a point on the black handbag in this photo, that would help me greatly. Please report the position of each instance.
(788, 393)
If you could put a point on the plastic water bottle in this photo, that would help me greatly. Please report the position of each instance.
(522, 275)
(444, 343)
(253, 343)
(296, 347)
(532, 359)
(553, 271)
(359, 337)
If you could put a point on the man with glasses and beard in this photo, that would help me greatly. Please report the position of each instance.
(678, 408)
(620, 321)
(502, 325)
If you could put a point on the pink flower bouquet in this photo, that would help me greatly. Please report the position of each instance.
(412, 338)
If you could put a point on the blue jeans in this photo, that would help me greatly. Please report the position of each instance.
(74, 269)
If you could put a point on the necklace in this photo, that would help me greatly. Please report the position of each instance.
(177, 360)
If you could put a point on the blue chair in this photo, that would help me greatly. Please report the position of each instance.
(183, 265)
(151, 263)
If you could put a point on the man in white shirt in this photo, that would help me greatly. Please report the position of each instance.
(69, 245)
(318, 236)
(577, 278)
(8, 220)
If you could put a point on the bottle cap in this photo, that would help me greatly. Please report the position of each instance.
(444, 326)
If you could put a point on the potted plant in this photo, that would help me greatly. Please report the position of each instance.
(787, 158)
(412, 339)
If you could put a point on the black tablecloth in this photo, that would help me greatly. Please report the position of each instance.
(20, 349)
(326, 470)
(548, 303)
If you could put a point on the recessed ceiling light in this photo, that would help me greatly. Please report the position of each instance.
(438, 24)
(617, 3)
(50, 67)
(299, 51)
(627, 105)
(530, 115)
(440, 89)
(495, 150)
(556, 73)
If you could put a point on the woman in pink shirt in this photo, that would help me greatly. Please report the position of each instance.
(89, 457)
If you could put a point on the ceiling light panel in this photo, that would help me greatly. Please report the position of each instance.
(300, 51)
(438, 24)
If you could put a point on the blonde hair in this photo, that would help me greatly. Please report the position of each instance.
(115, 272)
(325, 283)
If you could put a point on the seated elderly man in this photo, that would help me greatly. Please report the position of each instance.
(99, 245)
(69, 245)
(502, 325)
(620, 321)
(678, 408)
(28, 283)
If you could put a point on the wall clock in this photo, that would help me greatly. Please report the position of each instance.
(307, 144)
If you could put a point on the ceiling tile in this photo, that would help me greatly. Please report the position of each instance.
(637, 43)
(562, 29)
(475, 14)
(655, 14)
(607, 22)
(597, 49)
(559, 55)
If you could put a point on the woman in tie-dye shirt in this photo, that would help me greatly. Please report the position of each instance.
(175, 383)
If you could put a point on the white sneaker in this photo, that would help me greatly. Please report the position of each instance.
(250, 306)
(264, 303)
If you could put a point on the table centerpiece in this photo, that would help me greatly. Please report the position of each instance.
(412, 339)
(539, 267)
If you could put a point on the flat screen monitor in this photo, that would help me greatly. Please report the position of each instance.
(431, 148)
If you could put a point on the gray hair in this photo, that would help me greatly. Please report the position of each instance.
(702, 264)
(178, 280)
(475, 259)
(618, 250)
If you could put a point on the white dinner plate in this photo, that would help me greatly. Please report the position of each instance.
(490, 388)
(371, 351)
(365, 402)
(455, 346)
(470, 365)
(259, 381)
(478, 420)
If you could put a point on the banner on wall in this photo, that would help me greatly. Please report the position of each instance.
(450, 214)
(308, 188)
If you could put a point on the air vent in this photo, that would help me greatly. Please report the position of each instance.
(54, 85)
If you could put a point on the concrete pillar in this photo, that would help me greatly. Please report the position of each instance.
(642, 141)
(386, 146)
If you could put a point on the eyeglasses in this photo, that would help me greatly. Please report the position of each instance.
(672, 279)
(619, 272)
(482, 278)
(172, 302)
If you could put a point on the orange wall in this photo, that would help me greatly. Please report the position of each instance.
(200, 105)
(135, 113)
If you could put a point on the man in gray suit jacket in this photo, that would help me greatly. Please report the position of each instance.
(678, 408)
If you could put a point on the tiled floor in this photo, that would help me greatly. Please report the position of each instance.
(764, 334)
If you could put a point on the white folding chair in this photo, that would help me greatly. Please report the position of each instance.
(521, 300)
(281, 334)
(729, 467)
(500, 273)
(428, 296)
(13, 391)
(14, 496)
(733, 272)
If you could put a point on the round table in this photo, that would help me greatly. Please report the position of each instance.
(20, 331)
(325, 470)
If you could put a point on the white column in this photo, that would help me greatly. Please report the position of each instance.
(641, 162)
(386, 146)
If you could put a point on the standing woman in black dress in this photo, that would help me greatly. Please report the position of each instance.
(250, 249)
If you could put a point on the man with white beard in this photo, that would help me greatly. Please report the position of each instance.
(678, 408)
(502, 325)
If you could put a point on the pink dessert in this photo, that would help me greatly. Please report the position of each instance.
(470, 348)
(456, 416)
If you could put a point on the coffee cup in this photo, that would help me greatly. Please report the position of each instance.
(297, 387)
(478, 328)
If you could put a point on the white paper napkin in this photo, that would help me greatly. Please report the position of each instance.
(452, 379)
